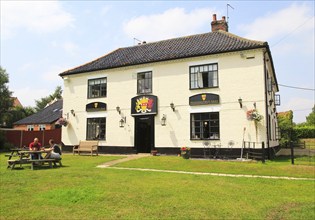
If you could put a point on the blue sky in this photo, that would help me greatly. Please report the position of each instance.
(40, 39)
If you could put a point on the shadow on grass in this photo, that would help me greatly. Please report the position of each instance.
(38, 168)
(297, 159)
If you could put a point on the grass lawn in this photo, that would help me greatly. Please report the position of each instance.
(304, 166)
(79, 190)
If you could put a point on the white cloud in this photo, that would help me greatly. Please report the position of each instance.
(51, 75)
(281, 23)
(70, 48)
(171, 23)
(35, 16)
(28, 95)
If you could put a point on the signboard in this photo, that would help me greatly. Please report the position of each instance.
(96, 106)
(144, 105)
(204, 99)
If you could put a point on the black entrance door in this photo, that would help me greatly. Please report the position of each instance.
(144, 134)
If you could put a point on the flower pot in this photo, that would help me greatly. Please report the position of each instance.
(154, 152)
(185, 154)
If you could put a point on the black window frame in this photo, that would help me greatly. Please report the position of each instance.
(205, 70)
(90, 87)
(92, 135)
(145, 81)
(210, 119)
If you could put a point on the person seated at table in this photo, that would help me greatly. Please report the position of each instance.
(35, 146)
(54, 150)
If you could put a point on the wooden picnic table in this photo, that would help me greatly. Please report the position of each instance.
(14, 152)
(25, 158)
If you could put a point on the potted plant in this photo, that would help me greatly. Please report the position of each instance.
(62, 121)
(185, 152)
(154, 152)
(253, 115)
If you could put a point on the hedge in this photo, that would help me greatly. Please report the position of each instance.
(304, 132)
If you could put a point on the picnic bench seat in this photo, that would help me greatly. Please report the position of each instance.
(86, 146)
(34, 162)
(12, 163)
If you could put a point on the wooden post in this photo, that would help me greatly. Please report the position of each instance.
(292, 153)
(263, 152)
(21, 139)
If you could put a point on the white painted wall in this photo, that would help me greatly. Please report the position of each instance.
(238, 77)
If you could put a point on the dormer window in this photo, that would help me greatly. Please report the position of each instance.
(144, 82)
(204, 76)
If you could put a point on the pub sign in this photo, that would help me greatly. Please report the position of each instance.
(204, 99)
(144, 105)
(95, 106)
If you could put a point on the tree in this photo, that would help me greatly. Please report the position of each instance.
(310, 119)
(42, 103)
(6, 102)
(285, 123)
(16, 114)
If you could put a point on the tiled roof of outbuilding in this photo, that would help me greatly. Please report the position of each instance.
(47, 115)
(176, 48)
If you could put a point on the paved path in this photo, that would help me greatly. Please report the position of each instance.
(110, 164)
(128, 157)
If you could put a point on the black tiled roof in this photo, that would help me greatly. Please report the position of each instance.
(176, 48)
(47, 115)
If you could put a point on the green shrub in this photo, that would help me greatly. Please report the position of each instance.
(304, 132)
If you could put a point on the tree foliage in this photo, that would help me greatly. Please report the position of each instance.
(310, 119)
(285, 123)
(42, 103)
(16, 114)
(6, 102)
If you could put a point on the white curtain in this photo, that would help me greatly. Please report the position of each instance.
(200, 80)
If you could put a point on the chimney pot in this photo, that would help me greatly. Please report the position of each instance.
(217, 25)
(214, 17)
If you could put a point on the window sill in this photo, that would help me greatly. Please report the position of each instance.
(96, 97)
(204, 88)
(204, 139)
(146, 93)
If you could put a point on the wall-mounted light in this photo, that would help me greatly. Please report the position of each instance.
(122, 122)
(172, 106)
(163, 120)
(118, 109)
(240, 101)
(254, 105)
(270, 102)
(72, 112)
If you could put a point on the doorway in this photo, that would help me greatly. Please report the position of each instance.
(144, 134)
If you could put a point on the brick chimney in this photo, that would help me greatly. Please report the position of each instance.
(219, 24)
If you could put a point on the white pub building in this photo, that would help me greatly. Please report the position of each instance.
(211, 91)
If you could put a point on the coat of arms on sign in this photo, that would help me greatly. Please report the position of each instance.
(144, 105)
(203, 97)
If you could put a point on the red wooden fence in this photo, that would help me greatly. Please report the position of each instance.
(23, 138)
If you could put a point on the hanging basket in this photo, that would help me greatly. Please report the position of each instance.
(62, 122)
(253, 115)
